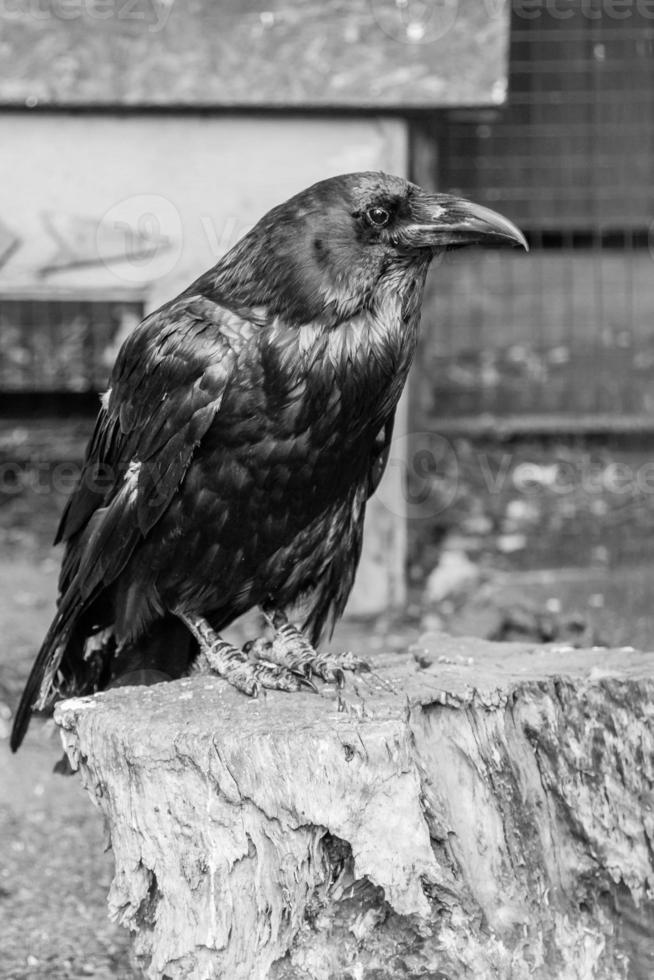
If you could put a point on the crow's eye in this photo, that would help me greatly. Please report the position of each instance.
(378, 216)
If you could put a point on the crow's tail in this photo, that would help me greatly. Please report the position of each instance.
(39, 688)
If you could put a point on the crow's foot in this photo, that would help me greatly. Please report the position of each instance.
(237, 666)
(291, 649)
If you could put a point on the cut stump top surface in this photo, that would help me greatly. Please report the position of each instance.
(455, 671)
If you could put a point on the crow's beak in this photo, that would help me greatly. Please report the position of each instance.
(440, 221)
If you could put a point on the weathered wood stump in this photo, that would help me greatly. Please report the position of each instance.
(491, 816)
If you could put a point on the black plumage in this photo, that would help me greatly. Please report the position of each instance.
(246, 425)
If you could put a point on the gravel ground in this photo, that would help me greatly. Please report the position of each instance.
(54, 871)
(54, 874)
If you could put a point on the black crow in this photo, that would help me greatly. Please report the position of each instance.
(246, 425)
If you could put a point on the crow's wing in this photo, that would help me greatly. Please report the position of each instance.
(165, 390)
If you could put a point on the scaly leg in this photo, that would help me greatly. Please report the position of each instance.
(291, 649)
(242, 672)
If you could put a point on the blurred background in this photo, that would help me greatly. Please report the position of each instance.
(141, 138)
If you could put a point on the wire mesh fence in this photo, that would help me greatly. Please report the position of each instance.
(569, 328)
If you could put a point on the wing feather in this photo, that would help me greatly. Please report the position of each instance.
(166, 388)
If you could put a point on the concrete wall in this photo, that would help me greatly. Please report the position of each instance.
(139, 205)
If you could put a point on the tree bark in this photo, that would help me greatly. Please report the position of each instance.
(479, 810)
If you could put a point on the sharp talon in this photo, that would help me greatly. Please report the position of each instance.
(290, 649)
(307, 682)
(252, 688)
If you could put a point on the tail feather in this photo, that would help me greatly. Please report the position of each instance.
(166, 651)
(45, 666)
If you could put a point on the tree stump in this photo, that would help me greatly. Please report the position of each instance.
(479, 810)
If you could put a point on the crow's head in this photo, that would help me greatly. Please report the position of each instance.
(324, 254)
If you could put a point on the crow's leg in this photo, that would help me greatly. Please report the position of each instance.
(291, 649)
(244, 673)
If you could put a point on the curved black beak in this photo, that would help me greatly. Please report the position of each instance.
(440, 221)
